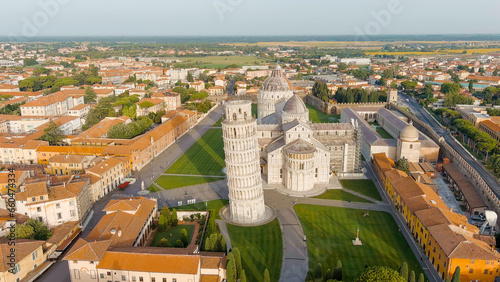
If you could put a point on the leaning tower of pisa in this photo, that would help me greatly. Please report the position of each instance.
(246, 198)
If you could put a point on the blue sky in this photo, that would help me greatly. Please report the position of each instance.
(246, 17)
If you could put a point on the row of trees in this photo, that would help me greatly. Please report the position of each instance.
(359, 95)
(54, 83)
(234, 268)
(478, 140)
(129, 131)
(328, 276)
(211, 229)
(494, 164)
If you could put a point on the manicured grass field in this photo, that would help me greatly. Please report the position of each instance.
(152, 188)
(380, 130)
(317, 116)
(330, 231)
(173, 181)
(341, 195)
(205, 157)
(261, 247)
(176, 234)
(363, 186)
(220, 61)
(212, 205)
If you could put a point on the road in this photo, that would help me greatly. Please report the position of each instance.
(59, 271)
(425, 117)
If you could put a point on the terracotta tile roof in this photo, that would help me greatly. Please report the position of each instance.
(491, 125)
(129, 224)
(61, 231)
(105, 166)
(24, 248)
(159, 263)
(89, 251)
(211, 262)
(33, 190)
(209, 278)
(67, 159)
(77, 150)
(122, 205)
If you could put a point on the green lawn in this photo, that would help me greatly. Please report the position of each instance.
(176, 234)
(218, 123)
(219, 61)
(261, 247)
(317, 116)
(341, 195)
(152, 188)
(380, 130)
(205, 157)
(173, 181)
(212, 205)
(363, 186)
(330, 231)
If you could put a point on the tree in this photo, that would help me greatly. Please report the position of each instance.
(174, 220)
(24, 232)
(320, 90)
(309, 276)
(190, 77)
(243, 277)
(33, 229)
(337, 272)
(90, 96)
(163, 243)
(412, 277)
(184, 237)
(30, 62)
(456, 275)
(53, 135)
(409, 85)
(231, 272)
(161, 223)
(328, 275)
(403, 271)
(318, 273)
(421, 278)
(146, 104)
(403, 165)
(448, 87)
(267, 278)
(179, 244)
(237, 259)
(158, 116)
(379, 274)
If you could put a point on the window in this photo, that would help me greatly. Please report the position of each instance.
(72, 212)
(41, 198)
(133, 278)
(76, 272)
(174, 279)
(411, 146)
(109, 273)
(153, 279)
(70, 203)
(58, 205)
(141, 279)
(123, 277)
(59, 216)
(165, 279)
(486, 271)
(17, 268)
(34, 255)
(33, 199)
(471, 270)
(39, 209)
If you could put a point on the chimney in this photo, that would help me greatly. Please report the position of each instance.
(119, 233)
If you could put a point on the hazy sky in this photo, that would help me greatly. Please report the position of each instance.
(247, 17)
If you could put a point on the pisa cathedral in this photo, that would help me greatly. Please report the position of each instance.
(281, 147)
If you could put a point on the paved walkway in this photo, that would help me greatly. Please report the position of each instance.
(446, 194)
(225, 233)
(362, 196)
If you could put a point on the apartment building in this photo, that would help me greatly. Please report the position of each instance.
(68, 164)
(56, 104)
(172, 100)
(143, 110)
(29, 256)
(446, 238)
(107, 175)
(491, 128)
(55, 204)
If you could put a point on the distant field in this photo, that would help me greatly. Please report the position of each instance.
(440, 52)
(220, 61)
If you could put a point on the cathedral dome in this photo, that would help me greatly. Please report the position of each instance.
(409, 133)
(295, 105)
(276, 82)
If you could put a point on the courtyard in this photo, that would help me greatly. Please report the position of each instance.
(173, 234)
(317, 116)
